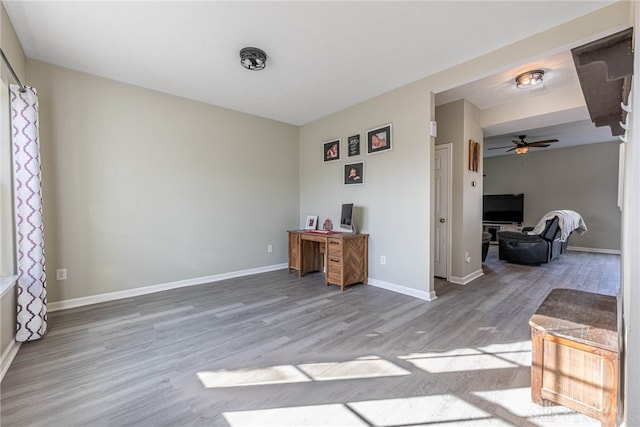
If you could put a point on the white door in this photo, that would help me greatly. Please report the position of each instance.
(441, 210)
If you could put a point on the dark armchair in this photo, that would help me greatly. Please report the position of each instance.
(524, 248)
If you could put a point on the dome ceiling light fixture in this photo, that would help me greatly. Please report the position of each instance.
(253, 58)
(529, 79)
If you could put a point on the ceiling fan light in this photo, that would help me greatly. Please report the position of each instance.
(529, 79)
(522, 150)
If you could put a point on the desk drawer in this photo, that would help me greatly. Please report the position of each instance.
(314, 237)
(334, 273)
(334, 248)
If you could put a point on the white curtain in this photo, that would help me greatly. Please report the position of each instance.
(32, 288)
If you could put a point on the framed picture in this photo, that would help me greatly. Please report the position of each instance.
(379, 139)
(474, 156)
(354, 145)
(353, 173)
(311, 223)
(331, 150)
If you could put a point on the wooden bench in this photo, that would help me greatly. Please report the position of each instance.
(575, 360)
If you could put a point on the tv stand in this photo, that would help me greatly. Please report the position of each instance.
(494, 228)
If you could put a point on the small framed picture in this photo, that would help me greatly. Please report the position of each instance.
(331, 150)
(312, 222)
(379, 139)
(354, 173)
(353, 145)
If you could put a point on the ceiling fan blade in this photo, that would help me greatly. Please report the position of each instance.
(498, 148)
(547, 141)
(512, 149)
(536, 144)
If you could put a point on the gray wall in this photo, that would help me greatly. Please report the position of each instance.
(457, 124)
(582, 178)
(143, 188)
(393, 204)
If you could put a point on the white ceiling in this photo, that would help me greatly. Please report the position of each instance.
(322, 56)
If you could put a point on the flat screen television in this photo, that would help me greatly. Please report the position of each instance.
(503, 208)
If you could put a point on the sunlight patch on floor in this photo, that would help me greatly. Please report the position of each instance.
(363, 367)
(517, 401)
(446, 409)
(417, 410)
(246, 377)
(317, 415)
(495, 356)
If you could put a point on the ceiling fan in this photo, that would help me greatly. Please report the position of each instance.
(522, 146)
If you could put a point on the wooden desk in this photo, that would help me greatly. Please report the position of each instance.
(575, 353)
(347, 256)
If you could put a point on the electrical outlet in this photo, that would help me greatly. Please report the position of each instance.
(269, 248)
(383, 260)
(61, 274)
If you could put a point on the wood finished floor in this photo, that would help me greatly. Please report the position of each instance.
(275, 349)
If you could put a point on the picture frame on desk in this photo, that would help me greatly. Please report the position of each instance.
(311, 223)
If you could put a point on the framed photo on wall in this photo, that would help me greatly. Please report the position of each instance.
(353, 147)
(331, 150)
(379, 139)
(353, 173)
(474, 156)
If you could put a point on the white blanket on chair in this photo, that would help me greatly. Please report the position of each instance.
(568, 221)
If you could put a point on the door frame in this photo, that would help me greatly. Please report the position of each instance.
(449, 200)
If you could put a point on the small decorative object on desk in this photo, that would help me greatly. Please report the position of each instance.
(312, 222)
(328, 225)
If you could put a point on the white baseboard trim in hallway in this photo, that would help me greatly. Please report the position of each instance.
(594, 250)
(112, 296)
(466, 279)
(7, 357)
(416, 293)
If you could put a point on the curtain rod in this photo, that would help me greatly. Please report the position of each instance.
(13, 73)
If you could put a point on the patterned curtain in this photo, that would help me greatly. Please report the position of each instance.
(32, 288)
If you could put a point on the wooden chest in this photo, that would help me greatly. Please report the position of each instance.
(575, 353)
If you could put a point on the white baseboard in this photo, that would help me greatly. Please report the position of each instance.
(466, 279)
(112, 296)
(416, 293)
(594, 250)
(7, 357)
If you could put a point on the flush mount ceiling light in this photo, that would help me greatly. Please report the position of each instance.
(253, 58)
(529, 79)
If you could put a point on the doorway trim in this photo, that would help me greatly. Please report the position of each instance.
(449, 201)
